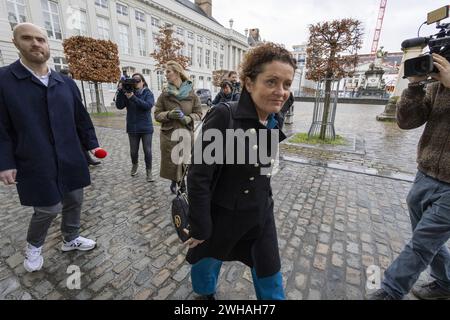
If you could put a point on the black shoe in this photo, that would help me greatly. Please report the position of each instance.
(173, 187)
(431, 291)
(380, 295)
(134, 169)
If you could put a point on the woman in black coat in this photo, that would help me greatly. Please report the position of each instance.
(139, 103)
(231, 205)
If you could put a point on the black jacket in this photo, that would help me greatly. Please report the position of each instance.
(43, 132)
(231, 205)
(221, 97)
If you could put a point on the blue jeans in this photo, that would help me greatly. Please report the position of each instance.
(429, 211)
(135, 139)
(205, 274)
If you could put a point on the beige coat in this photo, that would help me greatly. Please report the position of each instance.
(191, 107)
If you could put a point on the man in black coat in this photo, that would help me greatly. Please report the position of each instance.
(43, 130)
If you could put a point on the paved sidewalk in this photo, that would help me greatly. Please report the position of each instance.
(332, 225)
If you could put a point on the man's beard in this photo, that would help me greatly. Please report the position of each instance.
(38, 59)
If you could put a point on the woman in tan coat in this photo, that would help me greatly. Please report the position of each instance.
(177, 108)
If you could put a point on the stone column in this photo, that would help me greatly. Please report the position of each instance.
(401, 84)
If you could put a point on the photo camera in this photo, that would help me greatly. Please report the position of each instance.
(438, 43)
(129, 85)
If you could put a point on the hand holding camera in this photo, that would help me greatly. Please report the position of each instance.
(443, 66)
(175, 114)
(129, 94)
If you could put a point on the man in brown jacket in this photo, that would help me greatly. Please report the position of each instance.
(429, 198)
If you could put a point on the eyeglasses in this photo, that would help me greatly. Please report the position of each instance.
(137, 80)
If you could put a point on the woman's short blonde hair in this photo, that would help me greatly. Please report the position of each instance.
(176, 67)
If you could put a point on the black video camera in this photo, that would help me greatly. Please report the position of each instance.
(129, 84)
(438, 43)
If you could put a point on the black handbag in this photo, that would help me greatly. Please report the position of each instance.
(180, 204)
(180, 211)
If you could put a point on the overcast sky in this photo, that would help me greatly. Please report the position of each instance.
(286, 21)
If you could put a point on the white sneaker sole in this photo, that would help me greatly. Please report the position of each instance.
(65, 249)
(33, 270)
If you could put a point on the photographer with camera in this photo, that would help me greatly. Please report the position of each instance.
(134, 94)
(429, 198)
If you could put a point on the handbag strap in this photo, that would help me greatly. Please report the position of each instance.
(230, 126)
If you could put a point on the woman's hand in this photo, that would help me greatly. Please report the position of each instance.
(192, 242)
(175, 114)
(186, 120)
(129, 94)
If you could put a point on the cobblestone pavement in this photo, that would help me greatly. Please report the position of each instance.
(331, 225)
(386, 147)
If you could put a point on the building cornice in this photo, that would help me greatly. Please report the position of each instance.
(224, 34)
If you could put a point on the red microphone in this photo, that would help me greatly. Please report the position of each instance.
(100, 153)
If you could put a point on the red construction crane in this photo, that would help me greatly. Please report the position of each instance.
(376, 36)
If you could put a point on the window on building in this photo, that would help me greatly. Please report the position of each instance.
(215, 44)
(102, 3)
(146, 72)
(207, 41)
(122, 9)
(51, 19)
(190, 53)
(208, 58)
(141, 42)
(103, 28)
(190, 35)
(160, 79)
(192, 78)
(16, 12)
(199, 38)
(124, 42)
(155, 22)
(221, 61)
(215, 60)
(199, 56)
(222, 47)
(79, 22)
(140, 16)
(180, 31)
(60, 63)
(201, 82)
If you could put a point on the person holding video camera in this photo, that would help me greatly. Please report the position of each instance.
(429, 198)
(134, 94)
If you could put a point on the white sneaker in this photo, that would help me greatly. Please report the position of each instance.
(33, 258)
(79, 243)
